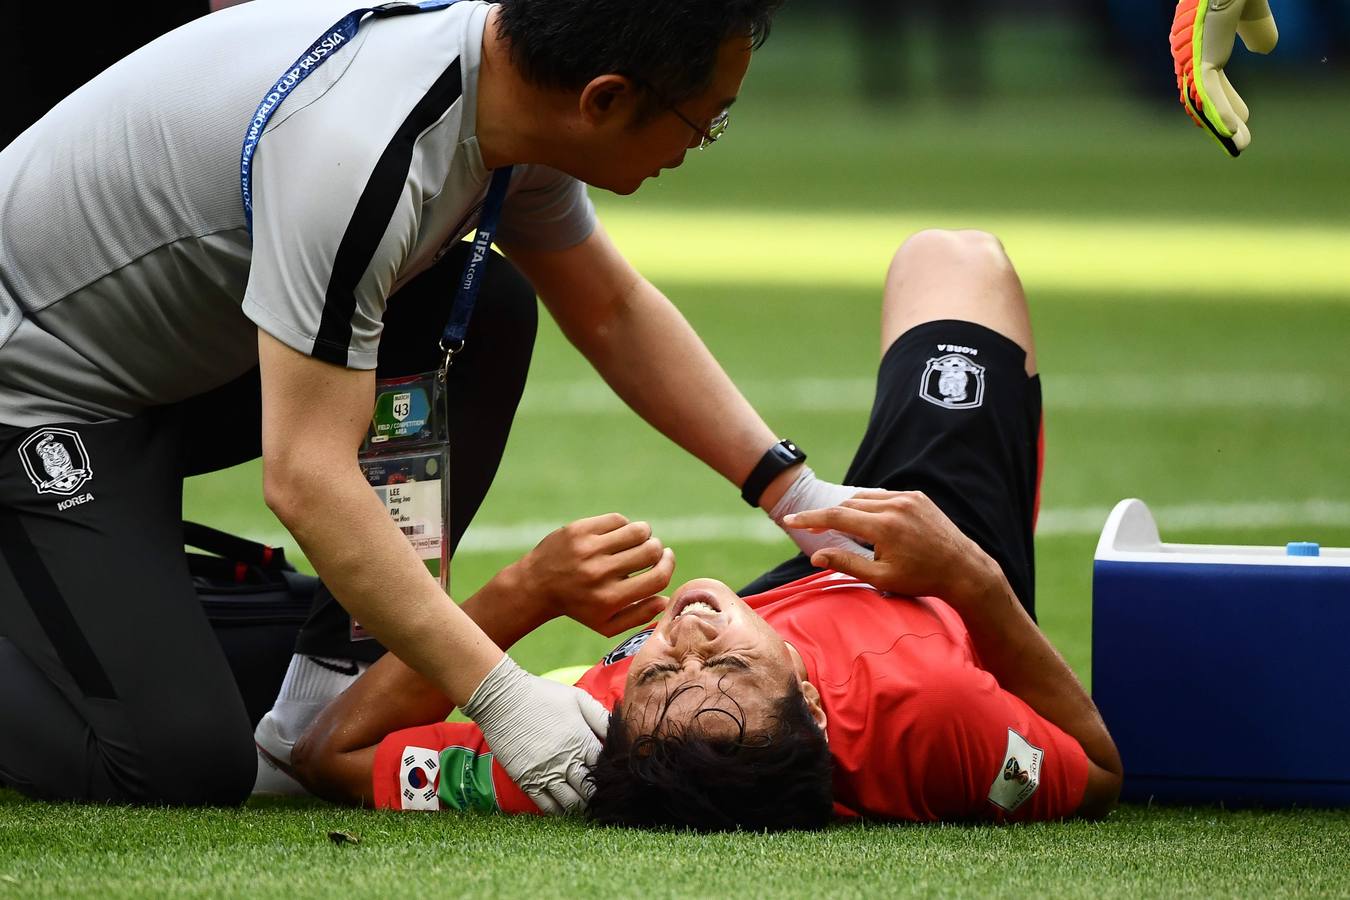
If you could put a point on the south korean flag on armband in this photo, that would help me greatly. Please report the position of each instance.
(419, 775)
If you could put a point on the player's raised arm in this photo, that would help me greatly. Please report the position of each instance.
(920, 552)
(1202, 43)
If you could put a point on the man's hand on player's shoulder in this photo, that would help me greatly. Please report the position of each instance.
(605, 572)
(918, 550)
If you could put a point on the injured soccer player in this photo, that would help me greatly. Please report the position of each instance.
(908, 681)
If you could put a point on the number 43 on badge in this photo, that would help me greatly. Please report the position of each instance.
(402, 406)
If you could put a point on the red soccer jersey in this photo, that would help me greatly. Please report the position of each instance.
(917, 730)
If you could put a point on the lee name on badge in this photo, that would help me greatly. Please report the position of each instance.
(411, 488)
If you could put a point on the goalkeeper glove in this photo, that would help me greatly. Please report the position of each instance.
(1202, 41)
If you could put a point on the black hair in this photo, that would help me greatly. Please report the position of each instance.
(778, 779)
(670, 44)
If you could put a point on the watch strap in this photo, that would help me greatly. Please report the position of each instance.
(782, 455)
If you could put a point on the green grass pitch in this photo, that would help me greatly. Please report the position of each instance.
(1217, 396)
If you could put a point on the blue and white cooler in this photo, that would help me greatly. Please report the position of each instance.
(1223, 672)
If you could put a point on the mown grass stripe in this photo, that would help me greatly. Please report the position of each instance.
(1136, 257)
(753, 528)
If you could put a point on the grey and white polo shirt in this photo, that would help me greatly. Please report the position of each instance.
(127, 276)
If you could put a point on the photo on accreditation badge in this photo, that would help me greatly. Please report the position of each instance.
(857, 449)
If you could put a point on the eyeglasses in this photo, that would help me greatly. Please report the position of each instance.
(707, 136)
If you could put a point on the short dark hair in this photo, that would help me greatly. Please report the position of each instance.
(671, 45)
(776, 780)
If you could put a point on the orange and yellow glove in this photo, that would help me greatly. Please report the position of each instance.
(1202, 41)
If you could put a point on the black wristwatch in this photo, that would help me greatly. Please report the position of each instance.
(782, 455)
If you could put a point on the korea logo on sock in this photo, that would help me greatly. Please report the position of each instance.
(56, 461)
(953, 382)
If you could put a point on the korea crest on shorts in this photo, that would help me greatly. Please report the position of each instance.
(56, 461)
(953, 381)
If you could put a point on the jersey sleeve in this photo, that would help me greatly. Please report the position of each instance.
(545, 210)
(975, 751)
(336, 206)
(443, 766)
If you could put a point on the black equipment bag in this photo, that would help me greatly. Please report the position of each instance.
(256, 603)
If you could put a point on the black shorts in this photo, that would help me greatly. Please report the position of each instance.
(956, 417)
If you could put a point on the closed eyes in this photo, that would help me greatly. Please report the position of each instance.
(718, 662)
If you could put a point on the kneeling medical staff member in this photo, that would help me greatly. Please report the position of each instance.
(147, 334)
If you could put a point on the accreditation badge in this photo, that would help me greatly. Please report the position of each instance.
(406, 459)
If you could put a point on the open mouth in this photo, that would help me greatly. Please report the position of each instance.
(696, 602)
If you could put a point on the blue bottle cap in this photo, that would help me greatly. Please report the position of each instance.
(1303, 548)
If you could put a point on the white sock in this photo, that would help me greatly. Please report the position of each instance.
(311, 682)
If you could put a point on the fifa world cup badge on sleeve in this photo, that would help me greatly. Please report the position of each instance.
(406, 459)
(1020, 774)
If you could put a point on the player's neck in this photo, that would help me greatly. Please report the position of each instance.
(516, 122)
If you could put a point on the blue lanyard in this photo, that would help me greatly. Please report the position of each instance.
(333, 39)
(452, 339)
(336, 37)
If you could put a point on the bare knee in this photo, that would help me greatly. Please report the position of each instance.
(966, 250)
(955, 274)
